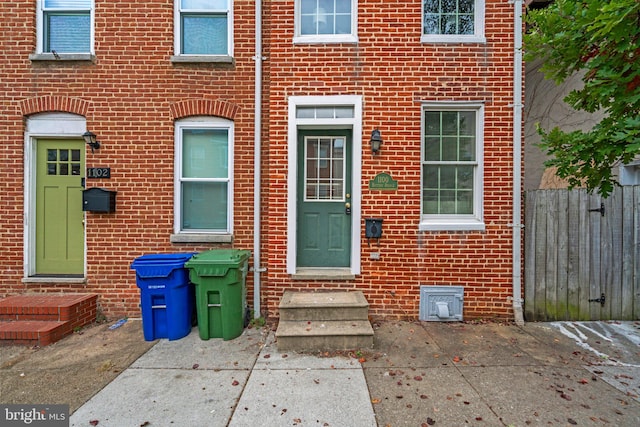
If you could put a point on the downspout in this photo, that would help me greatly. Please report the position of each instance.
(517, 163)
(257, 159)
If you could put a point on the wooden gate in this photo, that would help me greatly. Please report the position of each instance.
(582, 255)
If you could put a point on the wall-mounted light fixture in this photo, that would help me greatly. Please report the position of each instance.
(90, 139)
(376, 141)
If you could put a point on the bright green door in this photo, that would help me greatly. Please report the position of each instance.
(324, 199)
(59, 216)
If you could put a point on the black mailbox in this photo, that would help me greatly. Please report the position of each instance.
(373, 228)
(98, 200)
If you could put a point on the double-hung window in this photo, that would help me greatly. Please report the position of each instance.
(452, 169)
(204, 171)
(203, 27)
(326, 21)
(453, 21)
(65, 27)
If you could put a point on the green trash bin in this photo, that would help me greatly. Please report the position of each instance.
(219, 276)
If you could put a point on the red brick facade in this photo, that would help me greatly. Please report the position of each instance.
(131, 93)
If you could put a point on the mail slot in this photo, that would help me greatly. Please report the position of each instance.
(98, 200)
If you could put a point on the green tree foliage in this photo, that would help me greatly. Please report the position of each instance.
(599, 40)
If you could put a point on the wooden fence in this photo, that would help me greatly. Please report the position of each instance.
(582, 255)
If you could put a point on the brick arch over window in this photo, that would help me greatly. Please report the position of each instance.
(204, 107)
(43, 104)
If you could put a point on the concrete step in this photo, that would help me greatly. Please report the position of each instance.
(324, 335)
(332, 305)
(41, 319)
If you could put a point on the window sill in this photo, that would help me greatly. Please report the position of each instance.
(70, 280)
(345, 38)
(187, 59)
(449, 225)
(62, 57)
(452, 39)
(323, 274)
(201, 238)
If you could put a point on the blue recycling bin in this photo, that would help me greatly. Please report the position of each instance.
(167, 297)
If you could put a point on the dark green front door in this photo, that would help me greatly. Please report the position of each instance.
(324, 198)
(59, 216)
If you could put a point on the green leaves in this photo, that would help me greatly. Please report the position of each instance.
(600, 40)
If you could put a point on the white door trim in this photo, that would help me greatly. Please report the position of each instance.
(294, 124)
(44, 125)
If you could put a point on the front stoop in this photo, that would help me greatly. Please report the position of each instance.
(42, 319)
(320, 321)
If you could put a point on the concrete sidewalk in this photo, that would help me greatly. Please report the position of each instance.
(241, 382)
(417, 374)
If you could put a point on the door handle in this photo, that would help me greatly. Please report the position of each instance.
(347, 208)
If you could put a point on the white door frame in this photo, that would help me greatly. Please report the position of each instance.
(295, 124)
(38, 126)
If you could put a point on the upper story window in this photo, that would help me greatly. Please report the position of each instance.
(453, 21)
(203, 27)
(326, 21)
(203, 175)
(452, 167)
(65, 27)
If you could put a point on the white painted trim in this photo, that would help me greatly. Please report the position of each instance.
(45, 125)
(202, 122)
(326, 38)
(477, 37)
(473, 222)
(40, 32)
(179, 56)
(294, 125)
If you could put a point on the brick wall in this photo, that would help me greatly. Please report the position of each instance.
(132, 93)
(394, 71)
(130, 97)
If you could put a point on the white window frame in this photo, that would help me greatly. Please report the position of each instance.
(478, 26)
(201, 122)
(177, 38)
(41, 54)
(475, 221)
(326, 38)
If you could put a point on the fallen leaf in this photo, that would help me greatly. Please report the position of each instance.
(456, 359)
(317, 381)
(195, 366)
(375, 401)
(572, 421)
(424, 396)
(565, 396)
(583, 381)
(94, 422)
(266, 356)
(362, 360)
(235, 383)
(478, 418)
(431, 421)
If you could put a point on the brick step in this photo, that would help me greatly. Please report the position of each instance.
(323, 306)
(41, 319)
(33, 332)
(324, 335)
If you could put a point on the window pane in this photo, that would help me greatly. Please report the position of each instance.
(204, 4)
(432, 149)
(204, 206)
(343, 24)
(67, 4)
(467, 149)
(205, 153)
(325, 17)
(204, 34)
(448, 17)
(67, 33)
(449, 149)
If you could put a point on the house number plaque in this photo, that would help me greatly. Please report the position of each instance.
(383, 181)
(98, 173)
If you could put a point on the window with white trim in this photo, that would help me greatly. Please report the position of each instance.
(453, 21)
(65, 26)
(203, 27)
(452, 167)
(326, 21)
(204, 171)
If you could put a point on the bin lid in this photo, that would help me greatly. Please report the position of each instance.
(160, 265)
(221, 258)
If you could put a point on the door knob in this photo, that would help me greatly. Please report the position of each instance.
(347, 208)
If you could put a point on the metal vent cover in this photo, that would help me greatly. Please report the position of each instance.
(441, 303)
